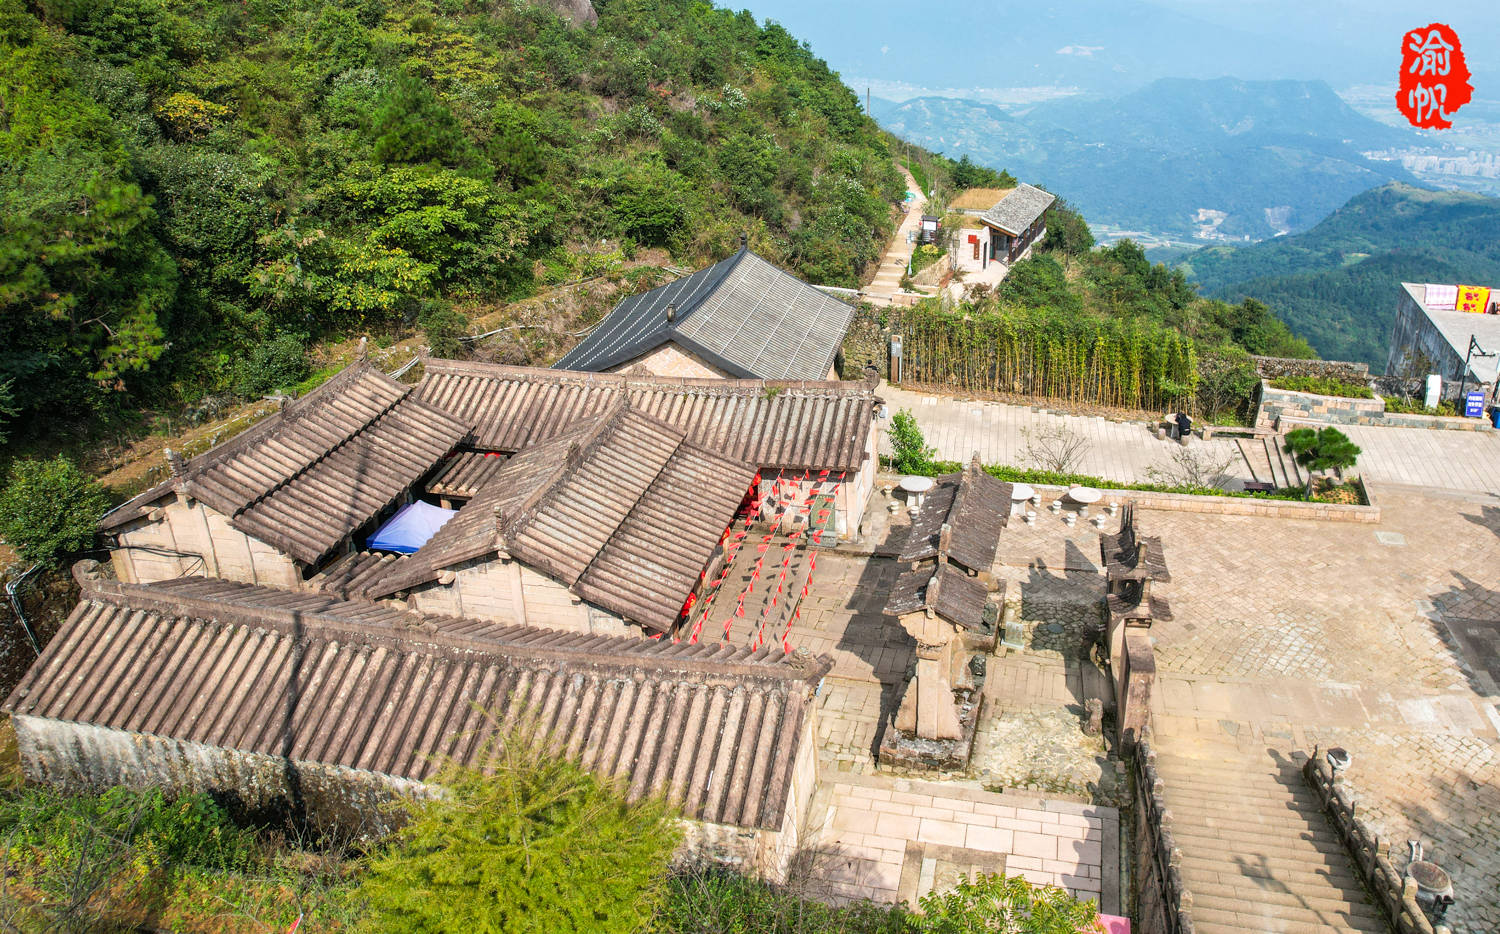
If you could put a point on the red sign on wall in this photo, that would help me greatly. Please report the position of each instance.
(1434, 78)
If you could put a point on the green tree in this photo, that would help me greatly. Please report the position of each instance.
(1321, 450)
(529, 843)
(1067, 232)
(1004, 905)
(912, 455)
(49, 509)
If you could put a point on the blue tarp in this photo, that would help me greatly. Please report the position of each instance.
(410, 528)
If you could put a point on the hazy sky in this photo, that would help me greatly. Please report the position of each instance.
(1112, 46)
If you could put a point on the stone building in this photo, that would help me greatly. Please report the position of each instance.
(300, 702)
(274, 503)
(809, 439)
(1431, 335)
(946, 600)
(1000, 225)
(615, 519)
(740, 318)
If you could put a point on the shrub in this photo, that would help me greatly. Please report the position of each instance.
(273, 364)
(531, 843)
(1320, 450)
(49, 509)
(717, 902)
(912, 455)
(1004, 905)
(1323, 386)
(443, 327)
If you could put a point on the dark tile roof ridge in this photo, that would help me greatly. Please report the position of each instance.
(368, 622)
(259, 433)
(588, 438)
(293, 412)
(628, 381)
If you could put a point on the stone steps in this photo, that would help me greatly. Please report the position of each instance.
(1258, 853)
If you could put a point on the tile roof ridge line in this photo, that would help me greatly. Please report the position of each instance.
(385, 411)
(679, 442)
(426, 630)
(730, 264)
(633, 382)
(293, 410)
(507, 527)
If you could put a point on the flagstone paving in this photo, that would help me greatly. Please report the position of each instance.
(1287, 634)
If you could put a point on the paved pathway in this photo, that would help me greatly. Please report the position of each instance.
(891, 839)
(887, 282)
(1126, 451)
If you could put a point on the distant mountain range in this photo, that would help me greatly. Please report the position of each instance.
(1219, 159)
(1336, 284)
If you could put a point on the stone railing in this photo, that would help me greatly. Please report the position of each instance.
(1278, 367)
(1207, 504)
(1164, 905)
(1398, 896)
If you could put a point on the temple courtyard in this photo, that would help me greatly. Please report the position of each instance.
(1287, 635)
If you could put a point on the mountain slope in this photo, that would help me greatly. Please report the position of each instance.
(184, 183)
(1336, 283)
(1258, 158)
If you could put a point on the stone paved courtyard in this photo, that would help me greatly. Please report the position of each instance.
(1287, 634)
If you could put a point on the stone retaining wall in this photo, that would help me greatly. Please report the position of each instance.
(1371, 859)
(867, 343)
(1281, 409)
(1163, 903)
(1278, 367)
(1276, 404)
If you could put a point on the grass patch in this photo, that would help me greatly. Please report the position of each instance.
(1414, 407)
(1323, 386)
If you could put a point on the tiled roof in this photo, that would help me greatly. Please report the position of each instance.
(952, 594)
(465, 472)
(742, 314)
(1019, 209)
(349, 683)
(793, 425)
(305, 478)
(620, 507)
(974, 506)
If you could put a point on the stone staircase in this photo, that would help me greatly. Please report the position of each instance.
(1268, 463)
(1258, 853)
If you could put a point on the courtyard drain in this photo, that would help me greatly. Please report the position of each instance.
(1390, 538)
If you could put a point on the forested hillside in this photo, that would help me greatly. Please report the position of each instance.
(187, 185)
(1336, 284)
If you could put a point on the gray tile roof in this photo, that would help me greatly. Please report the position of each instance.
(743, 315)
(306, 478)
(621, 508)
(974, 506)
(314, 679)
(1019, 209)
(787, 425)
(950, 592)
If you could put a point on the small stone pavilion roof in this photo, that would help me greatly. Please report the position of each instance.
(621, 508)
(309, 678)
(743, 314)
(307, 477)
(974, 507)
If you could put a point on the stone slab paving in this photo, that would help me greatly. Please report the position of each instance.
(1126, 451)
(886, 838)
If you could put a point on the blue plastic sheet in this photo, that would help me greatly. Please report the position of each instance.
(410, 528)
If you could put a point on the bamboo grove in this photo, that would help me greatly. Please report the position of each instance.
(1125, 363)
